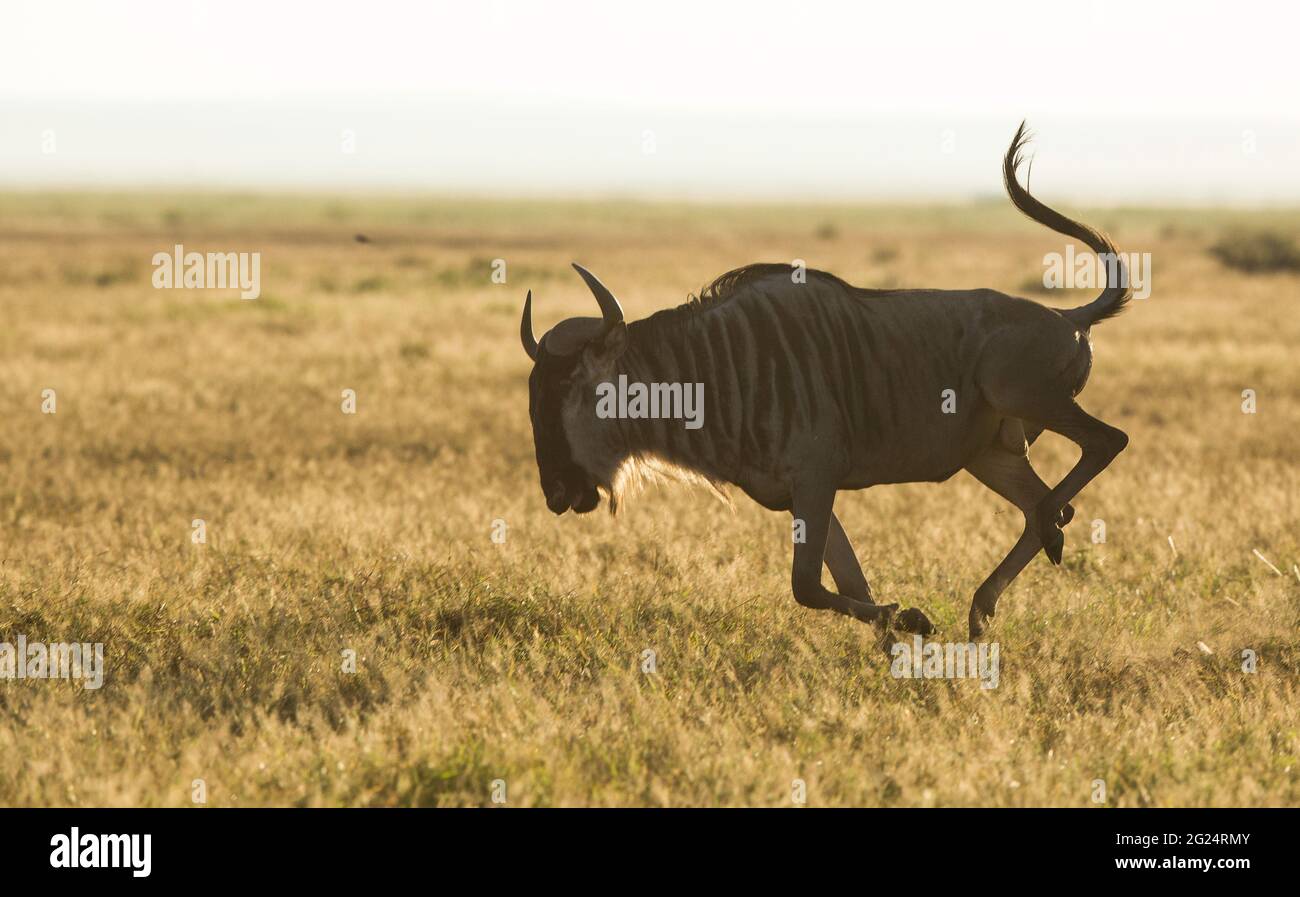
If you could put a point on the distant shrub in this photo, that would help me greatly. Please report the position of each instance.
(1034, 285)
(413, 351)
(108, 278)
(1257, 253)
(370, 284)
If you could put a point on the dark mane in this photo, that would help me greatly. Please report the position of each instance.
(727, 285)
(669, 321)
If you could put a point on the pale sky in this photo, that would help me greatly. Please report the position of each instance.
(1178, 101)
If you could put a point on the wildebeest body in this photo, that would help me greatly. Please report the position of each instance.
(877, 386)
(811, 386)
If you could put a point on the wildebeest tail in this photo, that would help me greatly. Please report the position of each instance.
(1116, 295)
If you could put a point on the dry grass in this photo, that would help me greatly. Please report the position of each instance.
(522, 661)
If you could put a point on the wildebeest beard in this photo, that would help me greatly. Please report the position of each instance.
(564, 483)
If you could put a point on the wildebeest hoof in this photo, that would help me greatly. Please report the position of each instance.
(915, 622)
(977, 621)
(1049, 533)
(1054, 544)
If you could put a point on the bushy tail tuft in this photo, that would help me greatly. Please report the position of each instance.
(1116, 295)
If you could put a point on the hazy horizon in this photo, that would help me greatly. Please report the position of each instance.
(754, 102)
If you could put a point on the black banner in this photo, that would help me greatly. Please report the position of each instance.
(133, 847)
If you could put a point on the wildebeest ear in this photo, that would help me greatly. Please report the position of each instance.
(608, 346)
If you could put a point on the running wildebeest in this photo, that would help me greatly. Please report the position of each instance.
(811, 386)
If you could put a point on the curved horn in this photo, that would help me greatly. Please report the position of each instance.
(526, 328)
(610, 310)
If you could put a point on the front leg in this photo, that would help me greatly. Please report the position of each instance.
(852, 583)
(813, 505)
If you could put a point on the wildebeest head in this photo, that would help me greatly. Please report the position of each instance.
(569, 360)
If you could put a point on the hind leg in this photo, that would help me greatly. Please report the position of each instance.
(1032, 432)
(1099, 444)
(1015, 436)
(1006, 471)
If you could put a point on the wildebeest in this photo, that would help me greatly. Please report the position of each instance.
(812, 386)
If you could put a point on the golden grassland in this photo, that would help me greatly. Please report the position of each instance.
(522, 661)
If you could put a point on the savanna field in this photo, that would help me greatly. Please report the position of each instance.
(522, 660)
